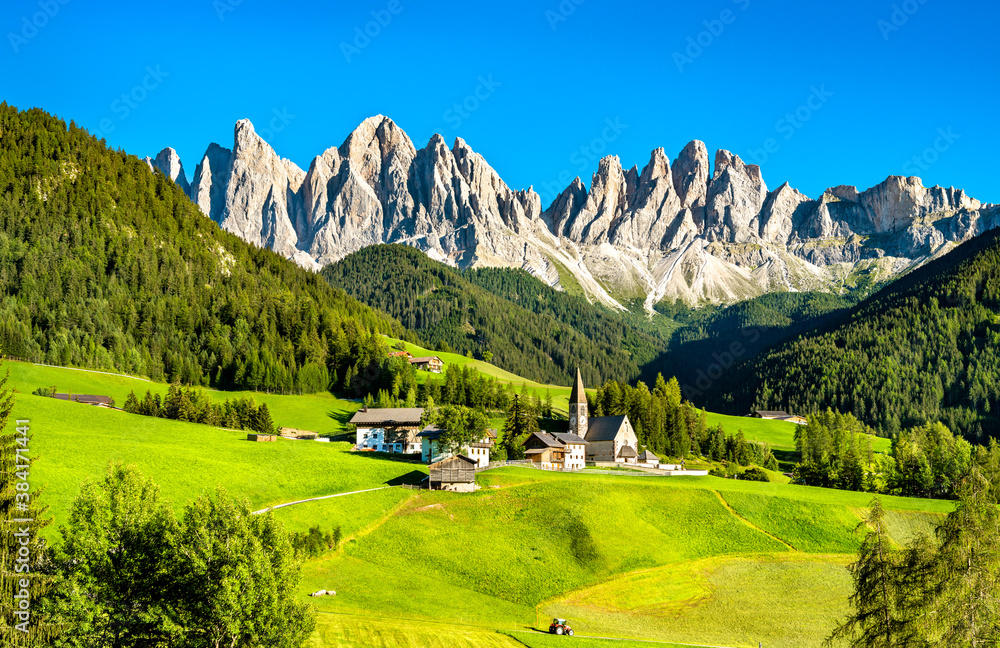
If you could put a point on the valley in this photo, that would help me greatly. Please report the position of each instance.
(672, 559)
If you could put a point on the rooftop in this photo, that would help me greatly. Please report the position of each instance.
(604, 428)
(388, 416)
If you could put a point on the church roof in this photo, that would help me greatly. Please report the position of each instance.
(578, 394)
(604, 428)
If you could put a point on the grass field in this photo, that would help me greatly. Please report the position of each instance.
(537, 640)
(76, 442)
(321, 412)
(779, 434)
(682, 559)
(688, 560)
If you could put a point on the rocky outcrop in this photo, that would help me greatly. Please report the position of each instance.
(678, 230)
(168, 162)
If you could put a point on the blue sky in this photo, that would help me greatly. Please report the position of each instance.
(819, 94)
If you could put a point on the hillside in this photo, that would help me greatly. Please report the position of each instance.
(726, 335)
(107, 264)
(677, 559)
(528, 328)
(924, 348)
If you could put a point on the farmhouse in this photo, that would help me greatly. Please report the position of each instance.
(779, 415)
(390, 429)
(433, 364)
(87, 399)
(609, 438)
(556, 450)
(456, 473)
(432, 452)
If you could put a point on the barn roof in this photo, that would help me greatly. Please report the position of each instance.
(772, 413)
(627, 452)
(604, 428)
(389, 416)
(450, 461)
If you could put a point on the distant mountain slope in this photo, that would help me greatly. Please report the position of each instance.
(927, 347)
(695, 228)
(106, 264)
(724, 336)
(530, 329)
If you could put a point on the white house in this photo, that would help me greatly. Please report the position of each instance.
(388, 429)
(432, 452)
(556, 450)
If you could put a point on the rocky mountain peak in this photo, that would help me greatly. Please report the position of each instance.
(670, 231)
(169, 163)
(690, 174)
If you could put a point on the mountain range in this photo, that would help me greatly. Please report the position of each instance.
(686, 231)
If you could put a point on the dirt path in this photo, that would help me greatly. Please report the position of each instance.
(314, 499)
(751, 524)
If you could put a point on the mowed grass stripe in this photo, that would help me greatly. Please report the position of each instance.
(751, 524)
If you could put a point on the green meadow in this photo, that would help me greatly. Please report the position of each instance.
(686, 560)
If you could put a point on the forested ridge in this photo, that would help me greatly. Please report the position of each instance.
(106, 264)
(506, 316)
(925, 348)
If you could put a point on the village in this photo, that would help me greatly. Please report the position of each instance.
(602, 442)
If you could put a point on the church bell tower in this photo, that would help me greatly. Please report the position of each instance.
(578, 408)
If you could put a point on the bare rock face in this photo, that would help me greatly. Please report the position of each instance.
(211, 178)
(669, 231)
(690, 175)
(655, 219)
(606, 202)
(169, 163)
(258, 194)
(735, 197)
(783, 212)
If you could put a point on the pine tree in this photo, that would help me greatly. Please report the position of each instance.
(876, 621)
(969, 563)
(520, 423)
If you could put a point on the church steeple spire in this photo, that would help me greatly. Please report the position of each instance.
(578, 394)
(578, 408)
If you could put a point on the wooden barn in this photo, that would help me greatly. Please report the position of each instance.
(456, 473)
(261, 438)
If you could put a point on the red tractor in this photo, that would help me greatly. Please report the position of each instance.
(559, 627)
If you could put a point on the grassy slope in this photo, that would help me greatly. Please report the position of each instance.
(680, 559)
(697, 560)
(308, 411)
(76, 442)
(560, 394)
(779, 434)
